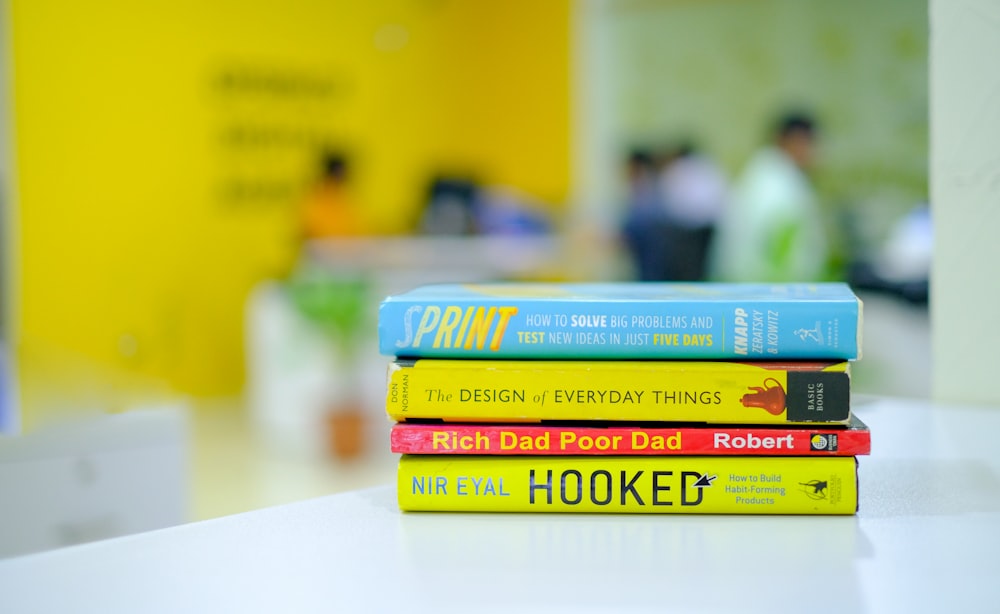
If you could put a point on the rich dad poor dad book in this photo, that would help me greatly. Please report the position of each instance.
(625, 320)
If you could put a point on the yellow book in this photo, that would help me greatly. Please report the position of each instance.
(759, 392)
(629, 484)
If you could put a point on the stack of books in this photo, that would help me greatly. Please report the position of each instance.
(624, 397)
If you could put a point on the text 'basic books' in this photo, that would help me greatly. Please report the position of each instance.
(676, 391)
(623, 320)
(635, 484)
(697, 398)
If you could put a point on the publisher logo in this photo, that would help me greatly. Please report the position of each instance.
(823, 443)
(812, 334)
(829, 490)
(814, 489)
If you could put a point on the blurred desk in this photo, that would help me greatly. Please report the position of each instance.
(405, 261)
(927, 539)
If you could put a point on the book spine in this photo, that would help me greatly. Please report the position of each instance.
(755, 329)
(673, 391)
(629, 484)
(546, 440)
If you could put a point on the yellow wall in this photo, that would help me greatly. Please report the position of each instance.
(160, 147)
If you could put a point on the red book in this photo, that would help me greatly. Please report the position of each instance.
(548, 439)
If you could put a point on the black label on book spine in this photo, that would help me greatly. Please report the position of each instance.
(818, 397)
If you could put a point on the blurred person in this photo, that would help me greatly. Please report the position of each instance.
(772, 229)
(907, 253)
(902, 264)
(329, 209)
(693, 191)
(450, 206)
(504, 210)
(644, 220)
(333, 300)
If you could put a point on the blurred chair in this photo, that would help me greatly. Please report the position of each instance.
(8, 421)
(94, 478)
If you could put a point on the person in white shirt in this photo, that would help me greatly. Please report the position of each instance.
(772, 229)
(693, 192)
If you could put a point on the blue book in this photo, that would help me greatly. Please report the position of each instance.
(629, 320)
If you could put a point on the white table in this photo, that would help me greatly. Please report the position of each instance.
(927, 539)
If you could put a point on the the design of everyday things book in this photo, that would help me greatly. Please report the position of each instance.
(624, 320)
(711, 391)
(629, 484)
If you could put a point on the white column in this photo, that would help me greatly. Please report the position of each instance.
(965, 199)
